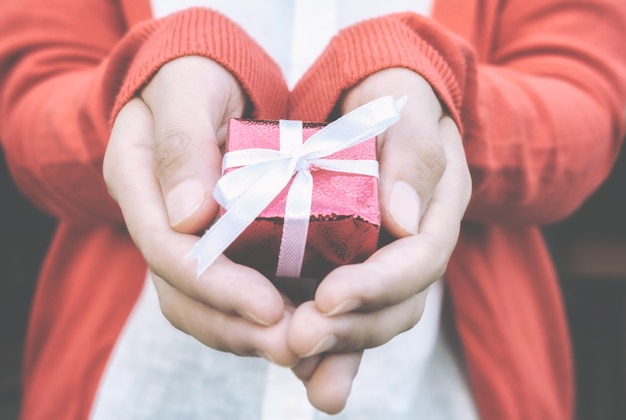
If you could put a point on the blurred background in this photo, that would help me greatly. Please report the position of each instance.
(24, 236)
(589, 249)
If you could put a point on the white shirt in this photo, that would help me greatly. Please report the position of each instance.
(294, 33)
(157, 372)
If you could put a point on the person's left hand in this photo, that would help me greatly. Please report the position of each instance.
(424, 190)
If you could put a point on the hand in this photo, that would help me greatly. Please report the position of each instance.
(424, 190)
(162, 162)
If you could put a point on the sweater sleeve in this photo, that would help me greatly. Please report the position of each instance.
(541, 111)
(67, 67)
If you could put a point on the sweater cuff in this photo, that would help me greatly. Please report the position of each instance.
(207, 33)
(404, 40)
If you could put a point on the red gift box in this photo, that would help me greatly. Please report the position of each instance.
(344, 219)
(299, 198)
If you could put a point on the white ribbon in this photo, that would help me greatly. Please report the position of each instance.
(263, 173)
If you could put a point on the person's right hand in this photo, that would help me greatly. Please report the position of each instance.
(162, 162)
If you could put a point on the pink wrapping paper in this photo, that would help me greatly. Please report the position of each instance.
(345, 215)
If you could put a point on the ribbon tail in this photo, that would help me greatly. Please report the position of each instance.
(296, 226)
(239, 216)
(216, 240)
(224, 232)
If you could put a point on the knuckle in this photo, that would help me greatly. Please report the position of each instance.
(377, 281)
(441, 251)
(108, 171)
(173, 149)
(460, 181)
(169, 309)
(416, 311)
(171, 317)
(431, 154)
(467, 177)
(467, 192)
(111, 167)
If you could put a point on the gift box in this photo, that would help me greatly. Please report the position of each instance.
(299, 199)
(344, 219)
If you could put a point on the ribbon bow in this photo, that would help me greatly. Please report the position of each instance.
(263, 173)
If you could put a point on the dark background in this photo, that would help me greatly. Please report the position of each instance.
(589, 249)
(24, 235)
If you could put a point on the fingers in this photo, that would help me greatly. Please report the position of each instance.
(128, 170)
(328, 379)
(191, 99)
(305, 368)
(222, 331)
(312, 333)
(393, 274)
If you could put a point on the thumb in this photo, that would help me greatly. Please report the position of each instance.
(412, 161)
(410, 153)
(187, 165)
(191, 99)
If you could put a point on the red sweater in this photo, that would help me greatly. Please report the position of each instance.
(537, 86)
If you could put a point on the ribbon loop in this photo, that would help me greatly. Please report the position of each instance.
(262, 174)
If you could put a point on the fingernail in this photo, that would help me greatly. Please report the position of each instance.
(404, 205)
(252, 317)
(345, 306)
(270, 359)
(266, 356)
(183, 200)
(323, 345)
